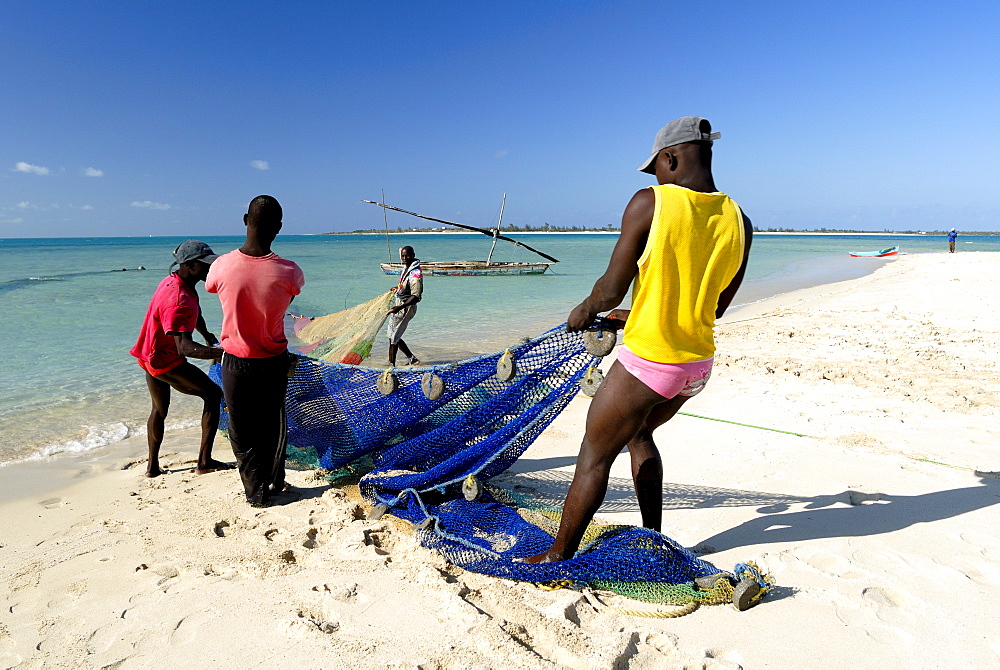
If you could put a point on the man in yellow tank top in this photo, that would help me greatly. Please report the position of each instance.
(685, 245)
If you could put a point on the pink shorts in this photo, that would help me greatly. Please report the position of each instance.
(667, 379)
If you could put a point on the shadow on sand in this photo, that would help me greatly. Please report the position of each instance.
(864, 514)
(845, 514)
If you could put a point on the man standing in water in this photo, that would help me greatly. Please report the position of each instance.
(165, 339)
(408, 293)
(686, 246)
(952, 236)
(255, 287)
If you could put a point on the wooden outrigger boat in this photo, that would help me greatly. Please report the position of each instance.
(891, 251)
(489, 267)
(463, 268)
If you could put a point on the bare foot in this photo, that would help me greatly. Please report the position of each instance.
(212, 466)
(544, 557)
(153, 471)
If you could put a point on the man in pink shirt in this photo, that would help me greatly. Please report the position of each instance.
(165, 339)
(255, 287)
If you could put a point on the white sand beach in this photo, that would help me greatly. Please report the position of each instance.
(875, 513)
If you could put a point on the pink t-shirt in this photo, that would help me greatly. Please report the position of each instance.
(255, 293)
(173, 308)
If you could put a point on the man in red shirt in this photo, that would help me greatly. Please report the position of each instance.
(165, 339)
(255, 287)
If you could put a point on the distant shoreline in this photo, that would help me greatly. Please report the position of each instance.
(616, 232)
(465, 232)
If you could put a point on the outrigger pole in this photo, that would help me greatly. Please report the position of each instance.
(484, 231)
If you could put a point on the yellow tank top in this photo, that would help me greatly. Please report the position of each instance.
(694, 250)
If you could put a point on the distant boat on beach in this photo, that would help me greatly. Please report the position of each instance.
(489, 267)
(891, 251)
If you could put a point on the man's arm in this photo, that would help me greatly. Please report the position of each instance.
(210, 338)
(612, 287)
(729, 292)
(411, 300)
(186, 346)
(416, 290)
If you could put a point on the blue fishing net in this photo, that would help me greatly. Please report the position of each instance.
(418, 453)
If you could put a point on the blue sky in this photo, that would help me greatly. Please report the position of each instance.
(125, 118)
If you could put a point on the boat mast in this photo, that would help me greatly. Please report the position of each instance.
(388, 249)
(496, 231)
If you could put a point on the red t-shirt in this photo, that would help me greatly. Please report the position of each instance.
(255, 293)
(173, 308)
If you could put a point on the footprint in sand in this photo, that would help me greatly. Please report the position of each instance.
(880, 596)
(358, 513)
(247, 524)
(856, 615)
(333, 497)
(186, 630)
(324, 621)
(68, 597)
(166, 573)
(220, 528)
(831, 564)
(718, 658)
(987, 545)
(311, 542)
(103, 638)
(892, 606)
(60, 603)
(323, 518)
(339, 592)
(890, 636)
(971, 567)
(888, 561)
(52, 503)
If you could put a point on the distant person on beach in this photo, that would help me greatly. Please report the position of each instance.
(686, 246)
(952, 236)
(174, 314)
(255, 287)
(408, 292)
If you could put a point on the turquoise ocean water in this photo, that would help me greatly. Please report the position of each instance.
(70, 316)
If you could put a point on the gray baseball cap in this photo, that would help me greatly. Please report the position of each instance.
(193, 250)
(679, 131)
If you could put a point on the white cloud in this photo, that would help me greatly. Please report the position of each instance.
(149, 204)
(17, 220)
(87, 207)
(260, 165)
(24, 204)
(502, 153)
(93, 172)
(21, 166)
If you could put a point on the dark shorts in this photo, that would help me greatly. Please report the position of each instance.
(255, 389)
